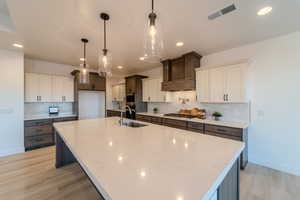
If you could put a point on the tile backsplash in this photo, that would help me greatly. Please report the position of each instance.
(230, 112)
(42, 108)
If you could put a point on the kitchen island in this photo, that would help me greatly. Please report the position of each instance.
(150, 162)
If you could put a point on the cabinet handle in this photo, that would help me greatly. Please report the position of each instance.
(224, 97)
(37, 98)
(164, 98)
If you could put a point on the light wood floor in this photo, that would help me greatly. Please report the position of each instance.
(32, 176)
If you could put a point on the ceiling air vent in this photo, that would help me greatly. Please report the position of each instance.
(221, 12)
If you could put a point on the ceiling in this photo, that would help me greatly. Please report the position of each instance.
(51, 30)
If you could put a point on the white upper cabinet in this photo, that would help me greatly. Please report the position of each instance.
(222, 85)
(31, 87)
(118, 92)
(62, 89)
(57, 88)
(46, 88)
(235, 84)
(202, 86)
(217, 84)
(37, 88)
(152, 91)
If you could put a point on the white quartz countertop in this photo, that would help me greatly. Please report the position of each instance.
(151, 162)
(47, 116)
(205, 121)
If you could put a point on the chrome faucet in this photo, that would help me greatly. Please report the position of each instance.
(124, 111)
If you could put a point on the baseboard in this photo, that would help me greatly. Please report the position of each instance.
(11, 151)
(294, 169)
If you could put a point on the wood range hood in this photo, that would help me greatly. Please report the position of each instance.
(179, 73)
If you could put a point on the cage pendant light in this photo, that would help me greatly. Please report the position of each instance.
(105, 59)
(153, 41)
(84, 72)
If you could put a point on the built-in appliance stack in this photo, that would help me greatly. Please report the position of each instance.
(134, 96)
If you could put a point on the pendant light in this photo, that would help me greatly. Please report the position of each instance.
(105, 59)
(84, 72)
(153, 42)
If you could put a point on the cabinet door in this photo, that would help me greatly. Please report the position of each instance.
(68, 89)
(122, 92)
(160, 95)
(217, 85)
(152, 90)
(57, 88)
(235, 84)
(202, 86)
(45, 88)
(31, 87)
(114, 93)
(97, 83)
(146, 92)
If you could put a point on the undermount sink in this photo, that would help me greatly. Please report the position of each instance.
(131, 124)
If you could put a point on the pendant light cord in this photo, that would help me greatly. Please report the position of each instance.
(105, 34)
(152, 6)
(84, 54)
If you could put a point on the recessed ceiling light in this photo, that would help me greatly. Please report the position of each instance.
(120, 67)
(142, 58)
(18, 45)
(264, 11)
(81, 59)
(179, 44)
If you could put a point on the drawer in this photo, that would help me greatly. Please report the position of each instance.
(38, 141)
(195, 126)
(223, 136)
(38, 130)
(224, 130)
(144, 118)
(175, 123)
(156, 120)
(41, 122)
(64, 119)
(112, 113)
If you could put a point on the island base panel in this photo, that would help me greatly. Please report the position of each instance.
(63, 155)
(230, 187)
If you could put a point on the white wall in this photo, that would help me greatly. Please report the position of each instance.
(11, 102)
(44, 67)
(274, 138)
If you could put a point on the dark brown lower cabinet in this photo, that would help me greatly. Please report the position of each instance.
(114, 113)
(40, 133)
(174, 123)
(238, 134)
(143, 118)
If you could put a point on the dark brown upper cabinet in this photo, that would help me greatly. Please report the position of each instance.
(96, 83)
(179, 73)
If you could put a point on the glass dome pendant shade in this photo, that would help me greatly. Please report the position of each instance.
(105, 59)
(84, 75)
(153, 42)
